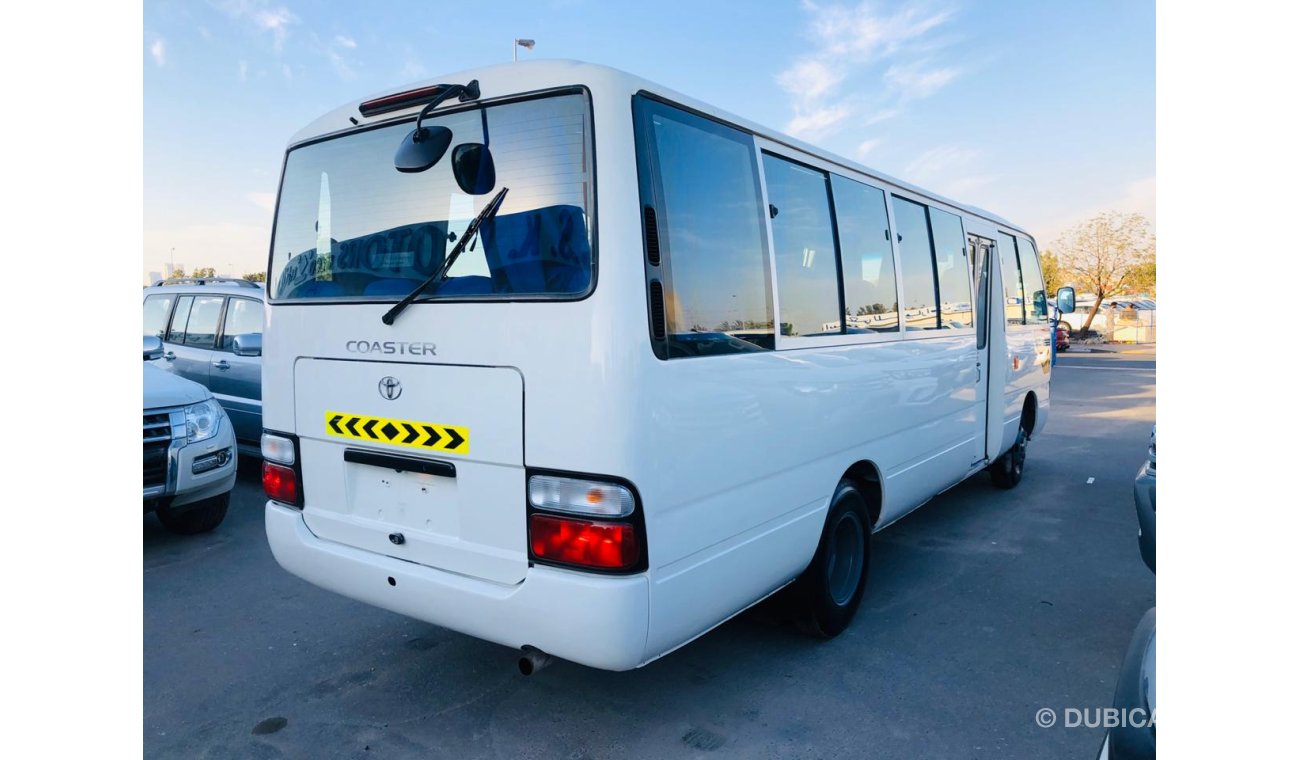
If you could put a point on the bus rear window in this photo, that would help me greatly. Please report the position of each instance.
(350, 226)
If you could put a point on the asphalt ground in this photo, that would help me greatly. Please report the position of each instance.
(984, 607)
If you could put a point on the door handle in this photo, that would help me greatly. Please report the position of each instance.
(223, 364)
(170, 356)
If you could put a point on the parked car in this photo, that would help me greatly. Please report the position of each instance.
(189, 450)
(1134, 706)
(211, 328)
(1135, 688)
(1144, 498)
(1062, 339)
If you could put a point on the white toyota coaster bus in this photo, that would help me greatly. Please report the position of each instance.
(564, 360)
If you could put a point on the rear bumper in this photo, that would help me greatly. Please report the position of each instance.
(589, 619)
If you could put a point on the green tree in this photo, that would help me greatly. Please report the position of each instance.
(1052, 272)
(1144, 276)
(255, 277)
(204, 272)
(1105, 255)
(178, 272)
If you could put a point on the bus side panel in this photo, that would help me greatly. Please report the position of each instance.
(739, 455)
(1028, 365)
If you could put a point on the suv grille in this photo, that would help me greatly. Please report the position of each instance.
(157, 439)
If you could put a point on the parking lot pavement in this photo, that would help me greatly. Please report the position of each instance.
(983, 607)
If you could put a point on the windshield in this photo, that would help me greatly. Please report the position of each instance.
(351, 226)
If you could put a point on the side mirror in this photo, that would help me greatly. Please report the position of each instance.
(422, 148)
(153, 347)
(1065, 300)
(473, 168)
(248, 344)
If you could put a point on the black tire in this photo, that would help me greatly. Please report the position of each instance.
(195, 518)
(829, 591)
(1008, 469)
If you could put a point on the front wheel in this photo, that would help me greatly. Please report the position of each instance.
(195, 518)
(830, 590)
(1010, 467)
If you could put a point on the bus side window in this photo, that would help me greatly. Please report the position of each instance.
(866, 257)
(1035, 289)
(807, 279)
(920, 309)
(1013, 291)
(954, 274)
(700, 179)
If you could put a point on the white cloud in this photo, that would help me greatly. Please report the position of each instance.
(811, 125)
(265, 201)
(950, 170)
(243, 71)
(413, 70)
(849, 44)
(288, 72)
(159, 52)
(918, 80)
(865, 147)
(343, 40)
(937, 162)
(262, 15)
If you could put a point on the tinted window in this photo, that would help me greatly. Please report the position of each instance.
(156, 310)
(350, 225)
(201, 330)
(807, 282)
(243, 316)
(1035, 290)
(918, 265)
(867, 259)
(176, 333)
(702, 180)
(954, 273)
(1012, 293)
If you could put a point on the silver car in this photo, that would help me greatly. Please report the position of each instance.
(211, 328)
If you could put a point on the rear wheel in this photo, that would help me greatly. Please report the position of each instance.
(830, 590)
(195, 518)
(1010, 467)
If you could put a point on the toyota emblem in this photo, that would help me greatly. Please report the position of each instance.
(390, 387)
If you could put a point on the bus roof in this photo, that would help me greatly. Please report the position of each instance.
(527, 76)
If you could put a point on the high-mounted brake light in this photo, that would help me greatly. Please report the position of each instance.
(398, 101)
(280, 483)
(607, 546)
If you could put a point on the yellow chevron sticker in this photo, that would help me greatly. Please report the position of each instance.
(425, 436)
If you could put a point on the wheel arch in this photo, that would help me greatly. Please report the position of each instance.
(865, 476)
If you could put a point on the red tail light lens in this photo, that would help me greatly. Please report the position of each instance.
(608, 546)
(280, 482)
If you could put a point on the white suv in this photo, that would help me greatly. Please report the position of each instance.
(189, 450)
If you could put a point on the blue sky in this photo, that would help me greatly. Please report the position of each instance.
(1041, 112)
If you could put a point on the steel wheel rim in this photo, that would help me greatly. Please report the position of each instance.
(844, 565)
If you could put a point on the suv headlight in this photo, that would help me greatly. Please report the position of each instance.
(202, 420)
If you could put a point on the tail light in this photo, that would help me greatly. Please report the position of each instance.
(602, 545)
(280, 483)
(280, 468)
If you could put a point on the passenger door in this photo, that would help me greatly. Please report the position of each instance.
(236, 380)
(192, 336)
(981, 250)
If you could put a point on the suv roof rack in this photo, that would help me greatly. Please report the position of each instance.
(207, 281)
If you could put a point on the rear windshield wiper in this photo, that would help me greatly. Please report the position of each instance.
(487, 213)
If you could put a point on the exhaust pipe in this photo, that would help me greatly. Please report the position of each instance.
(533, 660)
